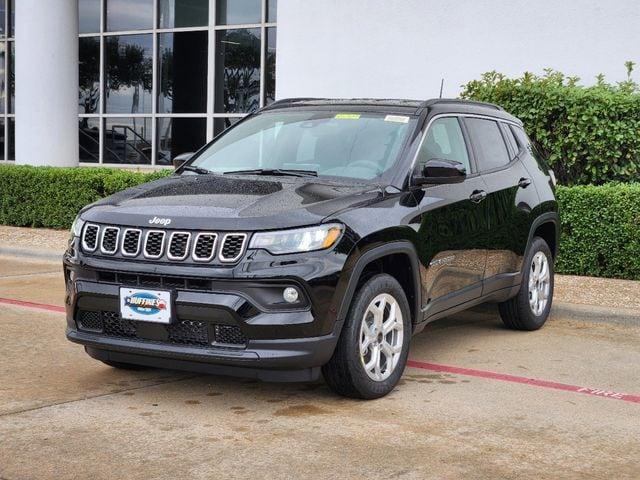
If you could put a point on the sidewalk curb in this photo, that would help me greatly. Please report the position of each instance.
(33, 254)
(595, 313)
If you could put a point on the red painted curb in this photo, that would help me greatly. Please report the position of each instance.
(504, 377)
(35, 306)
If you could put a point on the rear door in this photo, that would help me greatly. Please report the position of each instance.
(511, 197)
(452, 222)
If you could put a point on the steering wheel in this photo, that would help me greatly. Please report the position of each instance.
(371, 165)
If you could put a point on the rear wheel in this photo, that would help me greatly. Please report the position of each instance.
(529, 309)
(372, 350)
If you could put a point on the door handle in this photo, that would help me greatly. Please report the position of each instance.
(477, 196)
(524, 182)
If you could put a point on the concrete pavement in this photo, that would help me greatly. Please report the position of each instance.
(64, 415)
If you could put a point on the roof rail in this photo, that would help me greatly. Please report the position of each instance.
(438, 101)
(287, 102)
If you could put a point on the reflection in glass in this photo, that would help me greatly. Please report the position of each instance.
(3, 65)
(183, 72)
(183, 13)
(11, 139)
(89, 13)
(272, 10)
(128, 73)
(179, 135)
(237, 70)
(89, 139)
(127, 140)
(270, 67)
(129, 15)
(234, 12)
(3, 16)
(11, 9)
(11, 77)
(1, 138)
(89, 79)
(221, 124)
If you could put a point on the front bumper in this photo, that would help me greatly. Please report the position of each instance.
(276, 344)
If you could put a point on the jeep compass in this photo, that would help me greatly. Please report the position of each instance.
(317, 236)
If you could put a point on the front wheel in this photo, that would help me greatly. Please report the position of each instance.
(529, 309)
(374, 344)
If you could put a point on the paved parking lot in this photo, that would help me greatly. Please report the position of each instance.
(466, 408)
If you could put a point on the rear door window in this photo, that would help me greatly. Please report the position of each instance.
(488, 143)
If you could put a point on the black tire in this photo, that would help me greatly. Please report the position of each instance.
(124, 366)
(345, 373)
(516, 313)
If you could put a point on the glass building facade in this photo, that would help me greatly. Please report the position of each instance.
(162, 77)
(7, 81)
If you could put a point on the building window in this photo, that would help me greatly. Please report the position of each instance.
(7, 82)
(157, 79)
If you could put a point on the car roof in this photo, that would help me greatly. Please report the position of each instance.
(396, 105)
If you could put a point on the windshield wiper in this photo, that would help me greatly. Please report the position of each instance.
(198, 170)
(275, 171)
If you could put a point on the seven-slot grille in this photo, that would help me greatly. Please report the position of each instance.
(164, 244)
(109, 242)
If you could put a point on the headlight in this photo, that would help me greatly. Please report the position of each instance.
(299, 240)
(76, 227)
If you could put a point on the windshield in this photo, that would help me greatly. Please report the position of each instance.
(356, 145)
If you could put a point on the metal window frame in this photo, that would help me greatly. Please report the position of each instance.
(7, 41)
(209, 114)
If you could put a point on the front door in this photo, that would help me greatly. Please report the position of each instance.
(452, 223)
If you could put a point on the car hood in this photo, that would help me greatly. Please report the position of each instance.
(231, 202)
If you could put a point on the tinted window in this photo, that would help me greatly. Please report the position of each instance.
(444, 140)
(183, 13)
(488, 143)
(511, 139)
(179, 135)
(183, 72)
(129, 73)
(237, 70)
(129, 15)
(234, 12)
(89, 15)
(89, 79)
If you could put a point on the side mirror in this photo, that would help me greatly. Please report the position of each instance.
(179, 160)
(440, 171)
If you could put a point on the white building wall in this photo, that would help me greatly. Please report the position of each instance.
(403, 48)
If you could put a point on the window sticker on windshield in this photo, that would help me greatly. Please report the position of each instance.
(347, 116)
(396, 118)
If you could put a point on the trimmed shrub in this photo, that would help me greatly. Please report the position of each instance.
(589, 135)
(51, 197)
(600, 230)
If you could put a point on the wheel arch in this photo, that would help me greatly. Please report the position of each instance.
(547, 227)
(380, 259)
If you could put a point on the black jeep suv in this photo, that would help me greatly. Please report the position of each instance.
(318, 235)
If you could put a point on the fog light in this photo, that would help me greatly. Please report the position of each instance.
(290, 295)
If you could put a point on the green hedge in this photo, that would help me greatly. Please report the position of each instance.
(600, 230)
(600, 224)
(51, 197)
(590, 135)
